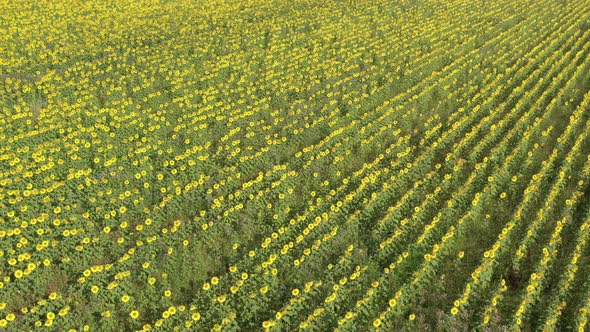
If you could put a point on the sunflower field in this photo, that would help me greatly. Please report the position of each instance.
(274, 165)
